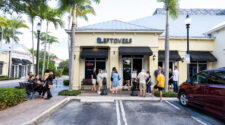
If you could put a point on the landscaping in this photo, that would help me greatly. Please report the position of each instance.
(11, 97)
(2, 78)
(66, 82)
(166, 94)
(70, 93)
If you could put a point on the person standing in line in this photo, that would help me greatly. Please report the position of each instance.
(142, 82)
(115, 82)
(170, 79)
(127, 78)
(160, 85)
(156, 73)
(175, 79)
(112, 77)
(149, 83)
(93, 79)
(100, 80)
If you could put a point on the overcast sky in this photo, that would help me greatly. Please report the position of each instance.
(123, 10)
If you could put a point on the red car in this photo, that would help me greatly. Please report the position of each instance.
(205, 90)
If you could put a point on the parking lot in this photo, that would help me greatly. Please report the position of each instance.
(128, 113)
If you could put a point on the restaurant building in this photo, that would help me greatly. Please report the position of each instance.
(21, 60)
(139, 44)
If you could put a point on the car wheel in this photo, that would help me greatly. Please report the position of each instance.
(183, 99)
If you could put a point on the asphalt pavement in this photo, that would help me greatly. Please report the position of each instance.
(128, 113)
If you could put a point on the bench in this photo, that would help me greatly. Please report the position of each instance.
(29, 88)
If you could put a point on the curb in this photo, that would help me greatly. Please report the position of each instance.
(48, 112)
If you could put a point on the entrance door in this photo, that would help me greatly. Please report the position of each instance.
(137, 65)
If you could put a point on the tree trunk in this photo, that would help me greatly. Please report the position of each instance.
(33, 45)
(69, 41)
(10, 57)
(45, 46)
(166, 66)
(48, 54)
(72, 48)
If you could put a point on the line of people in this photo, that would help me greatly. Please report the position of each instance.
(42, 85)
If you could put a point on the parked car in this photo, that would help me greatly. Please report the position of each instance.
(205, 90)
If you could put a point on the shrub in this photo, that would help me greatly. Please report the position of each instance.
(70, 93)
(59, 72)
(166, 94)
(6, 78)
(66, 82)
(11, 96)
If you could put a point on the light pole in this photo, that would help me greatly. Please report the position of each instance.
(188, 23)
(38, 44)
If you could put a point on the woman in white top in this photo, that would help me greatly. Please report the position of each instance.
(100, 80)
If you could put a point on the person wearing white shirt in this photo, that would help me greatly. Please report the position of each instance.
(100, 78)
(142, 76)
(175, 79)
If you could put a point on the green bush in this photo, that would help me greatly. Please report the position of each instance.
(59, 72)
(66, 82)
(70, 93)
(11, 96)
(6, 78)
(166, 94)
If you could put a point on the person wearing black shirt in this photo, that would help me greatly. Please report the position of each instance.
(48, 85)
(127, 78)
(170, 79)
(38, 85)
(93, 79)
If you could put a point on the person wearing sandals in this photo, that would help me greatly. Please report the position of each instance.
(100, 78)
(115, 82)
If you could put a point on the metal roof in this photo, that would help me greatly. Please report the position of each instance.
(115, 25)
(199, 26)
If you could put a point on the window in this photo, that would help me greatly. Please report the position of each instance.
(197, 66)
(1, 68)
(91, 63)
(201, 78)
(217, 78)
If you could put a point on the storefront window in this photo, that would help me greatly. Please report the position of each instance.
(196, 67)
(91, 63)
(1, 68)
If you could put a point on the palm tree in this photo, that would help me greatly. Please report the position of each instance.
(3, 24)
(51, 16)
(14, 24)
(73, 4)
(8, 35)
(171, 7)
(51, 40)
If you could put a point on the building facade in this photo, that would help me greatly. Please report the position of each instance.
(21, 60)
(139, 44)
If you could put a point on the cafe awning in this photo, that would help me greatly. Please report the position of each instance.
(135, 51)
(16, 60)
(174, 56)
(25, 61)
(202, 56)
(94, 53)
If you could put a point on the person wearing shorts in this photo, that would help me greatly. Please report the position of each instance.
(142, 82)
(93, 79)
(160, 85)
(100, 80)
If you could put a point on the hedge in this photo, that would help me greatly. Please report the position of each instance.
(6, 78)
(59, 72)
(11, 96)
(70, 93)
(166, 94)
(66, 82)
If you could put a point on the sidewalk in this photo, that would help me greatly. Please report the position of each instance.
(12, 81)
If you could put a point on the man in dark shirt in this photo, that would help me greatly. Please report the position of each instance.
(49, 85)
(93, 79)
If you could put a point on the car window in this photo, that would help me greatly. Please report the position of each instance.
(201, 78)
(217, 78)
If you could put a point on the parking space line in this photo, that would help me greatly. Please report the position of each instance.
(196, 119)
(123, 112)
(118, 113)
(172, 105)
(193, 113)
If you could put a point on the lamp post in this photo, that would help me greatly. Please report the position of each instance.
(38, 44)
(188, 22)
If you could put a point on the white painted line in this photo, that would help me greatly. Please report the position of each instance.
(203, 123)
(118, 113)
(96, 100)
(123, 112)
(172, 105)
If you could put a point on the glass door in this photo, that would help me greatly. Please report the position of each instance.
(127, 65)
